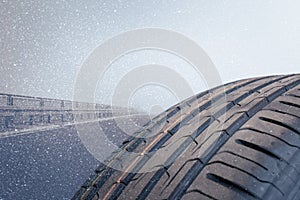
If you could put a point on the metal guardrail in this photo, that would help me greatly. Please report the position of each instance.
(19, 112)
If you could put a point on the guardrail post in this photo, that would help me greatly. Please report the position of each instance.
(10, 101)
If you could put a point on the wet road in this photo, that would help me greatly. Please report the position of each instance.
(50, 164)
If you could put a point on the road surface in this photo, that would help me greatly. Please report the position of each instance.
(49, 164)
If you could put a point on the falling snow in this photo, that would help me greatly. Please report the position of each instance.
(44, 43)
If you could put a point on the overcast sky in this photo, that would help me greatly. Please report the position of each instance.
(44, 43)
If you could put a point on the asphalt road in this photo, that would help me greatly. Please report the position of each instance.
(50, 164)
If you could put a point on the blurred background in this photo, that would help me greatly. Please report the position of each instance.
(44, 43)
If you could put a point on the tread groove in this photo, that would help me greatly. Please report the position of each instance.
(229, 152)
(202, 193)
(211, 135)
(171, 180)
(273, 121)
(293, 95)
(263, 132)
(150, 185)
(244, 171)
(290, 104)
(257, 148)
(229, 184)
(281, 112)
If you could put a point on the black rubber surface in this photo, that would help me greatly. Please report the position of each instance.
(237, 141)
